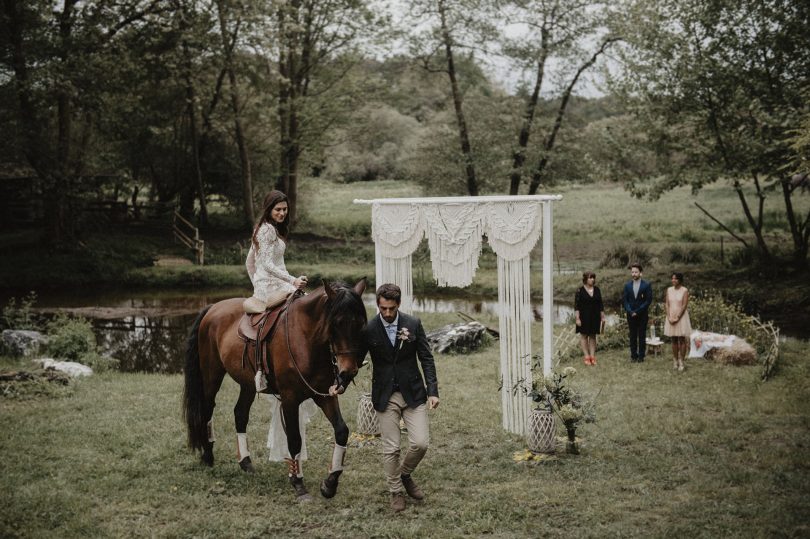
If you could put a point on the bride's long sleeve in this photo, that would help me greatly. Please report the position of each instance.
(264, 256)
(250, 264)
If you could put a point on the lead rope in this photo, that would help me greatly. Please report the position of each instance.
(295, 363)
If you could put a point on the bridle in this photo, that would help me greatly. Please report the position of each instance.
(332, 353)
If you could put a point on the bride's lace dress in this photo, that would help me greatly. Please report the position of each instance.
(265, 265)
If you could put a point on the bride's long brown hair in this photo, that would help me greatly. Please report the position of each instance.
(270, 201)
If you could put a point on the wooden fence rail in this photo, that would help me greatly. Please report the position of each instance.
(189, 235)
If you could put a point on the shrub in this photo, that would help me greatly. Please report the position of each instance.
(621, 256)
(711, 312)
(99, 363)
(615, 337)
(232, 255)
(685, 254)
(72, 339)
(20, 316)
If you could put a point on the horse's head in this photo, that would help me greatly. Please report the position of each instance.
(346, 319)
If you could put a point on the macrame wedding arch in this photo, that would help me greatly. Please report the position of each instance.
(454, 227)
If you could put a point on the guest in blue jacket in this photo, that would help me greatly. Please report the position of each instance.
(637, 298)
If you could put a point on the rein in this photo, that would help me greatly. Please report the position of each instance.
(334, 355)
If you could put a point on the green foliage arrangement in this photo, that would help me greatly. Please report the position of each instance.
(555, 393)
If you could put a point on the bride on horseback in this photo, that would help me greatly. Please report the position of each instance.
(272, 285)
(265, 260)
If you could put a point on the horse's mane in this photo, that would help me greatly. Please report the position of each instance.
(347, 303)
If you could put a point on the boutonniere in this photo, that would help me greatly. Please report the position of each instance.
(403, 335)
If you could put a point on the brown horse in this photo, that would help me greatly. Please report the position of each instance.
(314, 353)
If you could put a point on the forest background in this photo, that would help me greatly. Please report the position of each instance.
(118, 111)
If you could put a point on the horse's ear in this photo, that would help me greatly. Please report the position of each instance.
(328, 289)
(360, 286)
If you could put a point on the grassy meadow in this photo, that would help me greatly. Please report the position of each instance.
(711, 452)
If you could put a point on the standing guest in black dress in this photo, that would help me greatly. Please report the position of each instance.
(590, 315)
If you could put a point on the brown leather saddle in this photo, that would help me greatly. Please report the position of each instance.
(257, 330)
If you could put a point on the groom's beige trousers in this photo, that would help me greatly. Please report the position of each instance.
(416, 421)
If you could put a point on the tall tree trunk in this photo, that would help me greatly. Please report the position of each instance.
(466, 149)
(797, 231)
(755, 226)
(191, 97)
(519, 155)
(244, 158)
(57, 211)
(289, 91)
(537, 175)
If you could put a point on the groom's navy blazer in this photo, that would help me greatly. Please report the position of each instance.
(397, 364)
(637, 304)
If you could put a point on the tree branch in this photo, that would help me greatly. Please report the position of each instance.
(724, 227)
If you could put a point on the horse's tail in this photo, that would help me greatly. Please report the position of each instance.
(193, 398)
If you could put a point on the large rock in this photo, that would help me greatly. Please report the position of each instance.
(71, 368)
(21, 342)
(461, 337)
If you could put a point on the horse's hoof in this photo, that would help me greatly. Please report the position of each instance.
(208, 459)
(301, 493)
(247, 465)
(326, 491)
(329, 485)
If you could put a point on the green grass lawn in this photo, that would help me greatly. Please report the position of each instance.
(711, 452)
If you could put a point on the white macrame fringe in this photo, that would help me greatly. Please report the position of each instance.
(454, 237)
(454, 229)
(399, 272)
(513, 228)
(515, 341)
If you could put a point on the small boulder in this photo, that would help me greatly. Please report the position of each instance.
(21, 342)
(71, 368)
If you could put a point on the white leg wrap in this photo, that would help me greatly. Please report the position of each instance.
(210, 427)
(338, 455)
(242, 450)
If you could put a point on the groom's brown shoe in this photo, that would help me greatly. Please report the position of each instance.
(412, 488)
(397, 502)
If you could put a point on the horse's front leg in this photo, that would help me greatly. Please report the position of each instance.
(331, 409)
(289, 410)
(241, 414)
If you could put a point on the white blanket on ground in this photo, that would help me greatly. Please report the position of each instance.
(703, 341)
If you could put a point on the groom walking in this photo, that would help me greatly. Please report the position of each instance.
(395, 340)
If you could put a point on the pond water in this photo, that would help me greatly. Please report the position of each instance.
(147, 332)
